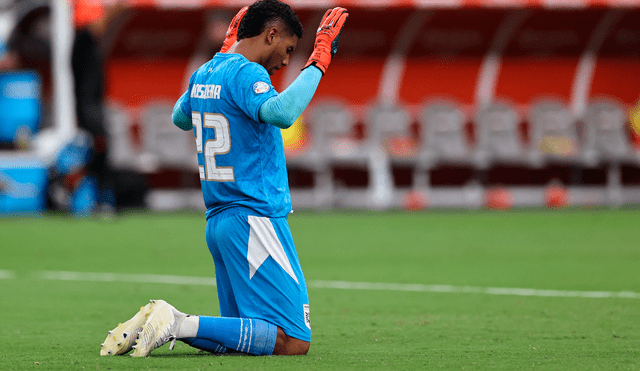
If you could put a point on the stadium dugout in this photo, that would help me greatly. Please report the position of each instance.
(577, 59)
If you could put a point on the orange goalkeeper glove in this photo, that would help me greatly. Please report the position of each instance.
(232, 31)
(327, 38)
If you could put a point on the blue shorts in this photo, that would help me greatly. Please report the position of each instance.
(258, 273)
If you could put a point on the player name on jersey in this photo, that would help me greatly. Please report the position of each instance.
(206, 91)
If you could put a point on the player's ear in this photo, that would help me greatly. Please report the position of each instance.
(272, 34)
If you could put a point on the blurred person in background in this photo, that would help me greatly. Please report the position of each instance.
(91, 20)
(31, 39)
(28, 48)
(29, 43)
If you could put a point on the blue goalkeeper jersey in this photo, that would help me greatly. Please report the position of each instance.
(241, 160)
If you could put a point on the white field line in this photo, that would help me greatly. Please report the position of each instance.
(125, 277)
(470, 289)
(6, 275)
(320, 284)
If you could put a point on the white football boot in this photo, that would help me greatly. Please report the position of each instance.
(161, 327)
(121, 339)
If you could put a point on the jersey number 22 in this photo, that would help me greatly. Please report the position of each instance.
(218, 146)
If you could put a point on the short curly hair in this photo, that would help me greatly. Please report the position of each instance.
(263, 13)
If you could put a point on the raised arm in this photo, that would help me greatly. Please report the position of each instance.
(284, 109)
(232, 31)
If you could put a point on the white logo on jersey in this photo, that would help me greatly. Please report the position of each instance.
(206, 91)
(307, 317)
(261, 87)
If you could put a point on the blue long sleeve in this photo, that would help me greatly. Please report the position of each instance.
(180, 119)
(281, 111)
(284, 109)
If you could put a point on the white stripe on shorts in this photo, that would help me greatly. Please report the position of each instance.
(264, 242)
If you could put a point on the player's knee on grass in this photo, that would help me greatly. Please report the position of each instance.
(290, 346)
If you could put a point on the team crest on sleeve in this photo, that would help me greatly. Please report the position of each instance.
(261, 87)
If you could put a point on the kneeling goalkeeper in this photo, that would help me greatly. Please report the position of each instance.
(236, 116)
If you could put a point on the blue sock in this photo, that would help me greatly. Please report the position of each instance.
(206, 345)
(246, 335)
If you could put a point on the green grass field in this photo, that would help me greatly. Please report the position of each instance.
(54, 324)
